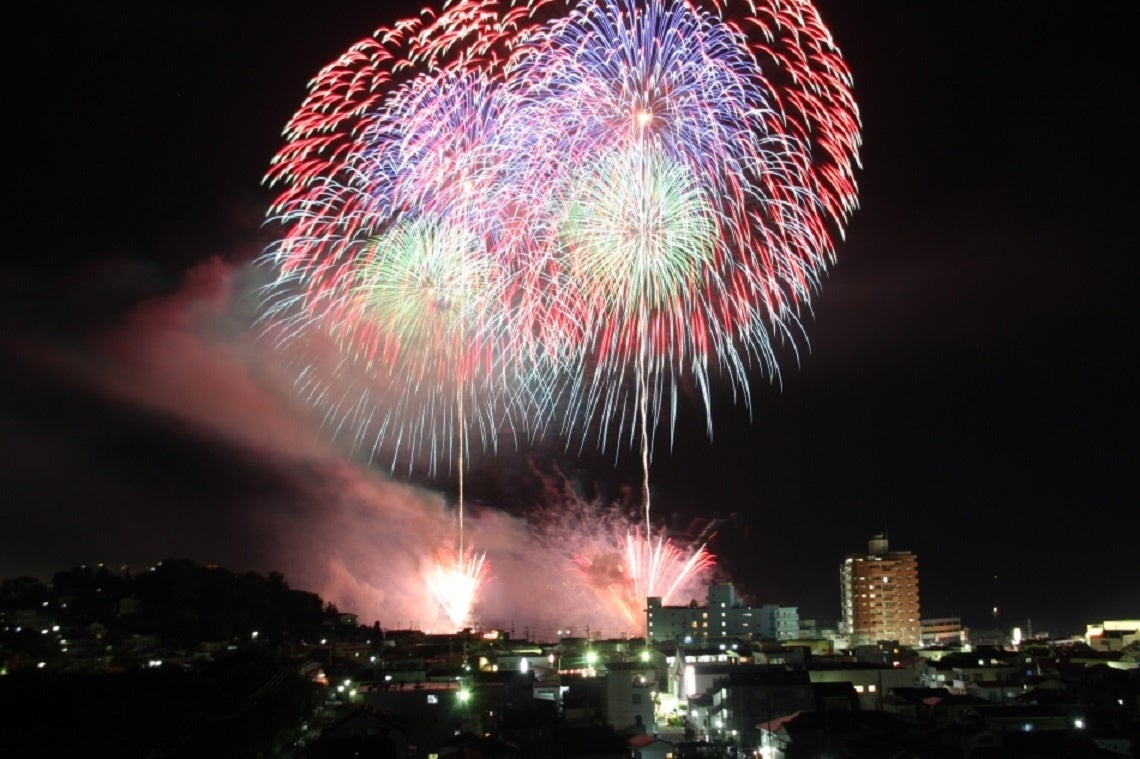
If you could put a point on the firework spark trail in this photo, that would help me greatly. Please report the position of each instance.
(659, 567)
(505, 213)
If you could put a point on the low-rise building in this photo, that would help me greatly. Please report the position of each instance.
(724, 617)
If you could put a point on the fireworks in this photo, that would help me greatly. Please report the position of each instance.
(508, 214)
(455, 583)
(706, 164)
(388, 247)
(614, 559)
(625, 570)
(561, 209)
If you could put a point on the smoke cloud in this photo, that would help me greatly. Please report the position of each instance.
(265, 488)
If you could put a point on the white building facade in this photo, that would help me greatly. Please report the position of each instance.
(725, 616)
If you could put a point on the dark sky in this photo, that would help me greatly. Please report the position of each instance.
(966, 387)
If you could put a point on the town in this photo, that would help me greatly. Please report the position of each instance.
(187, 660)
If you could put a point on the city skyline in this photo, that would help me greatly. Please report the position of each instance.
(964, 390)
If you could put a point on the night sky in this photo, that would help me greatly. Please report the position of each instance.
(965, 389)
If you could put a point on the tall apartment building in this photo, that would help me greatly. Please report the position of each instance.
(880, 595)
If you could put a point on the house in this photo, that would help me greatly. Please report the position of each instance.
(844, 733)
(650, 747)
(364, 731)
(481, 747)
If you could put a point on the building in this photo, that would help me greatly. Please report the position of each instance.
(1113, 634)
(779, 622)
(746, 695)
(870, 682)
(880, 595)
(631, 688)
(942, 631)
(724, 617)
(677, 623)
